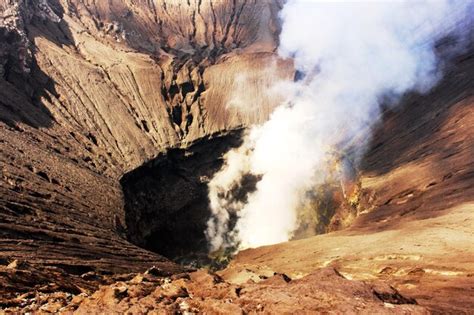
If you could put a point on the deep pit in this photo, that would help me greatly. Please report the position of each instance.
(167, 205)
(166, 201)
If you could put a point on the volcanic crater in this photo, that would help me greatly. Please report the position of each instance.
(113, 119)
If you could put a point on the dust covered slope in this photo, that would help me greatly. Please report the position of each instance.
(92, 89)
(415, 224)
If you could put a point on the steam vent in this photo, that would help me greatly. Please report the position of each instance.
(236, 157)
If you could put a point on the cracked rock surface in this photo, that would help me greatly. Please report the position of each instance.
(90, 90)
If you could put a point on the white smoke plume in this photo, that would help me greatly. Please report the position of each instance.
(351, 55)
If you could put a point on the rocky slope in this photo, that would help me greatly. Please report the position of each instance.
(94, 94)
(415, 227)
(203, 292)
(91, 90)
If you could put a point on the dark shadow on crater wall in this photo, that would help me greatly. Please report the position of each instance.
(166, 200)
(23, 85)
(425, 129)
(410, 126)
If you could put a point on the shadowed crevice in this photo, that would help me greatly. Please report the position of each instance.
(166, 200)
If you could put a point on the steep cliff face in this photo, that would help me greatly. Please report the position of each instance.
(140, 76)
(93, 89)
